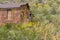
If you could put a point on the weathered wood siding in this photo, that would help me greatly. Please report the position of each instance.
(0, 16)
(18, 15)
(4, 15)
(15, 15)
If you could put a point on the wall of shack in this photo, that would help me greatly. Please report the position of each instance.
(18, 15)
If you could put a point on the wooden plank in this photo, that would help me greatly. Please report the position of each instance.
(4, 15)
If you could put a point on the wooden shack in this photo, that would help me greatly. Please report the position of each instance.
(15, 13)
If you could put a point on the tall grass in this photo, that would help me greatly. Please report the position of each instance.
(36, 32)
(45, 25)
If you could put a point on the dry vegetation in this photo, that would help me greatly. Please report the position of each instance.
(45, 25)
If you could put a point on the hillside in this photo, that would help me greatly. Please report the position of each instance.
(45, 25)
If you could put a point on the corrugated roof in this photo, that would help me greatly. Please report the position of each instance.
(11, 5)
